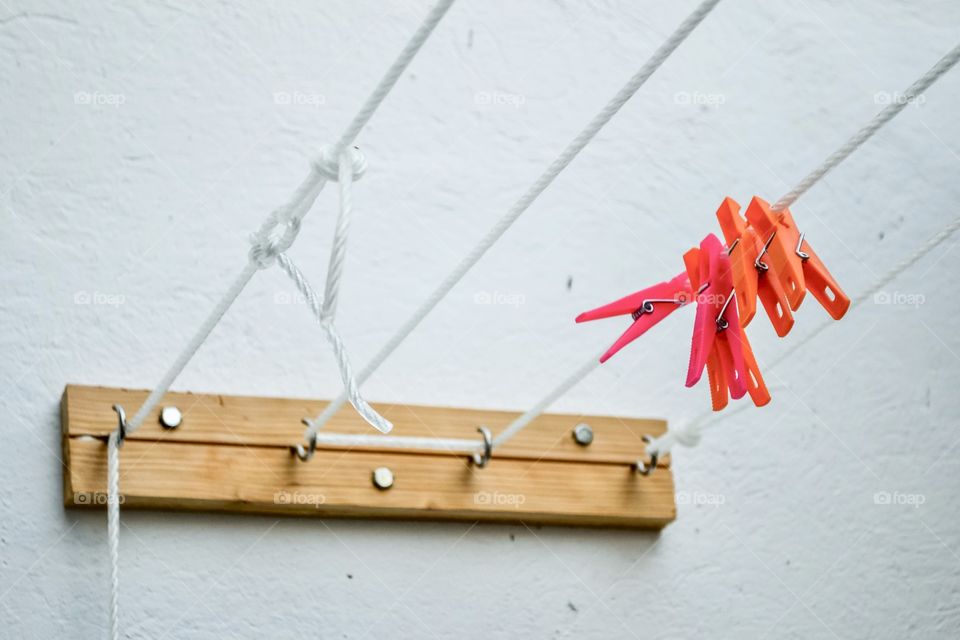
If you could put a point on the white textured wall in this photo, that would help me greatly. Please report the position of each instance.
(142, 143)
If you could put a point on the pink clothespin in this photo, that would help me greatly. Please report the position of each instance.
(647, 307)
(717, 334)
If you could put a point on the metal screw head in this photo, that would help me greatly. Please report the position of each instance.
(583, 434)
(382, 478)
(170, 417)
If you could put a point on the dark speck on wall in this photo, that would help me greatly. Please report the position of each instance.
(881, 234)
(349, 576)
(572, 606)
(569, 283)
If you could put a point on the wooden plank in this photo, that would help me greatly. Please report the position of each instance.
(195, 476)
(246, 420)
(232, 454)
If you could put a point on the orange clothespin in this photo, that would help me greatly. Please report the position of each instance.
(756, 387)
(777, 258)
(794, 262)
(744, 247)
(817, 278)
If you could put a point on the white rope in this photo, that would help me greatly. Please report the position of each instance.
(896, 105)
(280, 228)
(690, 433)
(454, 445)
(539, 185)
(191, 348)
(391, 76)
(113, 529)
(520, 423)
(316, 304)
(338, 250)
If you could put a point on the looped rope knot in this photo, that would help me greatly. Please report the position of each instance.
(687, 435)
(274, 237)
(328, 165)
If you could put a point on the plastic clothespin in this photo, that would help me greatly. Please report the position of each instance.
(744, 247)
(709, 270)
(647, 307)
(731, 366)
(816, 277)
(777, 258)
(756, 386)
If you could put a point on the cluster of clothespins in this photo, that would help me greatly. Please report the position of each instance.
(766, 256)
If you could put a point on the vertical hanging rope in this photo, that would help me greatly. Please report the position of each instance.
(113, 529)
(571, 151)
(338, 250)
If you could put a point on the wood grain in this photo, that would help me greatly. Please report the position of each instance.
(232, 454)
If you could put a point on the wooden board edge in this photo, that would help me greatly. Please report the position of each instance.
(68, 496)
(651, 523)
(71, 390)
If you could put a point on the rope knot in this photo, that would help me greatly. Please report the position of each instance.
(688, 435)
(274, 237)
(328, 165)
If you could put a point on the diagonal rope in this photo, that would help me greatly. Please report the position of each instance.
(887, 114)
(280, 228)
(570, 382)
(575, 146)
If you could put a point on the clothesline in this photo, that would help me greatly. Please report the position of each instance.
(341, 163)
